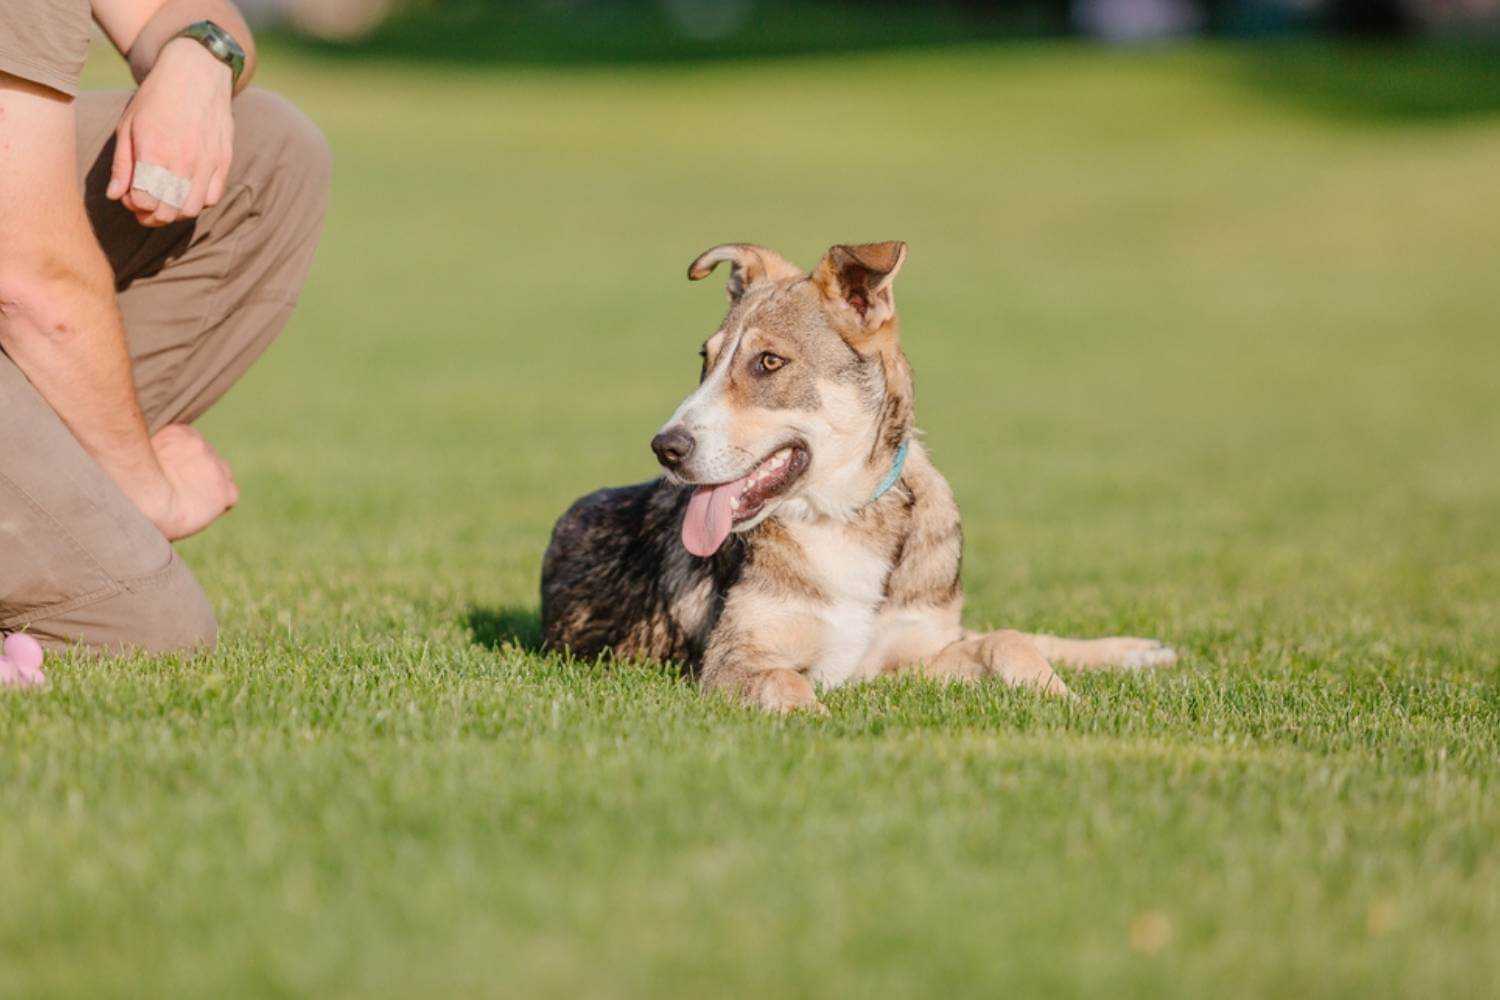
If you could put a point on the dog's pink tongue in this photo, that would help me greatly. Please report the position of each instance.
(708, 518)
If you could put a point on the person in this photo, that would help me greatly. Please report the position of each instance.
(152, 245)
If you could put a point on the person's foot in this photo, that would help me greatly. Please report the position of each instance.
(21, 662)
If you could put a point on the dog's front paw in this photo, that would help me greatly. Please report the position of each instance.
(1014, 658)
(784, 691)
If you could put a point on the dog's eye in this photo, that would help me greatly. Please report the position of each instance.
(769, 362)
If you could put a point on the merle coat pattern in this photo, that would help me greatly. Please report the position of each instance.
(767, 559)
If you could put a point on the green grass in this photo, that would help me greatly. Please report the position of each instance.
(1203, 360)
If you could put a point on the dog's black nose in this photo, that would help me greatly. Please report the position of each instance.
(672, 446)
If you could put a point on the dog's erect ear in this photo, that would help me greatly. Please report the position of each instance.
(748, 264)
(856, 283)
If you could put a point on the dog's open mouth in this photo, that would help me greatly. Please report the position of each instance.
(713, 511)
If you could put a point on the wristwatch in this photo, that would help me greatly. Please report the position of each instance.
(219, 43)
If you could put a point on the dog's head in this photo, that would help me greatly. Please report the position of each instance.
(804, 396)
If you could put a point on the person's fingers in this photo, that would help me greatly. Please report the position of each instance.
(196, 198)
(123, 166)
(215, 192)
(148, 201)
(167, 213)
(164, 215)
(140, 202)
(219, 176)
(232, 488)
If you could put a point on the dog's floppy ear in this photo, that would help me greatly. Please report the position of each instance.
(748, 264)
(856, 284)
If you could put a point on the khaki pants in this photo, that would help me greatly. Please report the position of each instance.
(201, 300)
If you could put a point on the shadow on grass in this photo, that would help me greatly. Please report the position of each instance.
(514, 627)
(497, 628)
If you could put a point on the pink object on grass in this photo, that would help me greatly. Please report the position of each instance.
(21, 662)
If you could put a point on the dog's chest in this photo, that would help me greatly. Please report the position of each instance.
(849, 573)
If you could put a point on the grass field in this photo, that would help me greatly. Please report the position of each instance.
(1206, 356)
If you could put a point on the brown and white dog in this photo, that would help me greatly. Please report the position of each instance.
(801, 537)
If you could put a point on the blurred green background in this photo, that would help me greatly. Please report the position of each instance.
(1205, 339)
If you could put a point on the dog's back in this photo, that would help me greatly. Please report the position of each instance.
(615, 578)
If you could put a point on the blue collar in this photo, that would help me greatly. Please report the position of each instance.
(894, 476)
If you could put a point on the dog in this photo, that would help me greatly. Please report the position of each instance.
(800, 537)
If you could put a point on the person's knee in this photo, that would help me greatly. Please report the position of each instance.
(287, 147)
(166, 612)
(182, 622)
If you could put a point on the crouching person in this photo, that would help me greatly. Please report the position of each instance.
(152, 245)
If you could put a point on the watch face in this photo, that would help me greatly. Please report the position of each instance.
(218, 48)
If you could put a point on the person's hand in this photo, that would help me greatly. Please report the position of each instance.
(202, 489)
(179, 120)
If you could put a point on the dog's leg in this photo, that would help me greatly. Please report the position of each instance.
(1115, 653)
(778, 690)
(933, 642)
(1007, 655)
(759, 666)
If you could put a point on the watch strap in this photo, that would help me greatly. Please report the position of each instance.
(219, 43)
